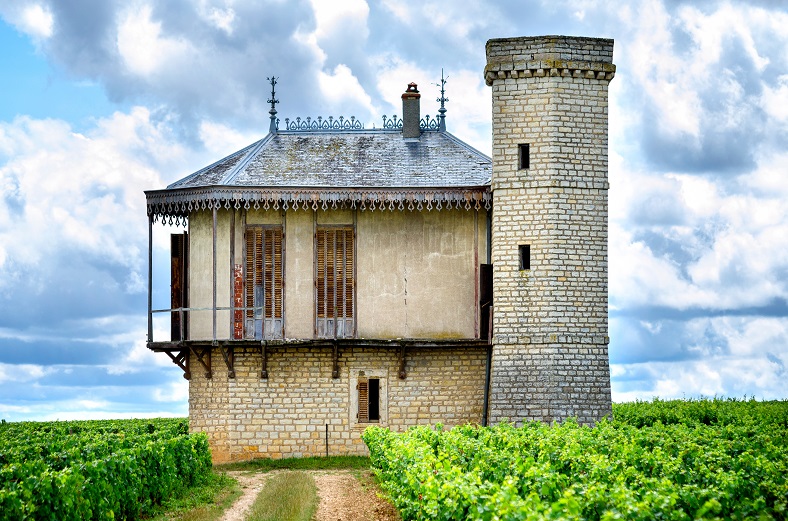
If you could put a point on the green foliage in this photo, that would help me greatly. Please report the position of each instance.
(104, 470)
(711, 459)
(205, 500)
(715, 411)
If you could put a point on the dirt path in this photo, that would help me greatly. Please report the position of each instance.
(251, 483)
(342, 496)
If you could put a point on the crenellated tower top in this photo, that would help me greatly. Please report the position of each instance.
(578, 57)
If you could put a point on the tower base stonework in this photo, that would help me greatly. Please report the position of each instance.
(549, 228)
(549, 382)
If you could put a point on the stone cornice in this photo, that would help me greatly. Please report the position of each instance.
(502, 69)
(519, 184)
(555, 339)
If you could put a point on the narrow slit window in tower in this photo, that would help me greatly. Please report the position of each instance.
(525, 257)
(525, 156)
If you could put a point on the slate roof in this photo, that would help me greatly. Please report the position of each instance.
(360, 168)
(351, 159)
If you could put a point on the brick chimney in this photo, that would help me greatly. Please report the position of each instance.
(411, 112)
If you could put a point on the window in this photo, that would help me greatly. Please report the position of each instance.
(525, 256)
(524, 156)
(179, 285)
(368, 397)
(368, 400)
(485, 300)
(334, 282)
(264, 283)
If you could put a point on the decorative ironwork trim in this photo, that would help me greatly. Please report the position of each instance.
(395, 123)
(344, 124)
(310, 125)
(442, 100)
(174, 206)
(429, 124)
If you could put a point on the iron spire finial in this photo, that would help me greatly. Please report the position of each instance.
(273, 101)
(443, 99)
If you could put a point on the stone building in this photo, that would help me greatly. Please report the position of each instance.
(334, 277)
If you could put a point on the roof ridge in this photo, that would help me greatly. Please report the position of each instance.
(230, 176)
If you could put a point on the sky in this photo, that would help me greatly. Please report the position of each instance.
(103, 99)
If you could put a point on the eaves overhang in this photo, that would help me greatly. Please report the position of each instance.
(176, 204)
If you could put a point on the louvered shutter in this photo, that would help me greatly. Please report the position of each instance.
(363, 401)
(264, 283)
(334, 282)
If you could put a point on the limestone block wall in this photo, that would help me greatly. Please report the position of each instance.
(550, 355)
(286, 414)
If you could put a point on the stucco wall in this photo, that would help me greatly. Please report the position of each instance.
(201, 274)
(416, 271)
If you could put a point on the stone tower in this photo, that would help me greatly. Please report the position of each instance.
(549, 227)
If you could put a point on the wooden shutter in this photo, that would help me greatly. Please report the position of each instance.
(363, 401)
(348, 271)
(251, 240)
(334, 281)
(264, 282)
(179, 284)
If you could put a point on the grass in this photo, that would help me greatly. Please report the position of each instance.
(205, 501)
(310, 463)
(286, 496)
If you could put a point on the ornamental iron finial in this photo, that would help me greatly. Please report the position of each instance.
(443, 99)
(273, 101)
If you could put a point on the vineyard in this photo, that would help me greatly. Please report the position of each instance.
(114, 469)
(673, 460)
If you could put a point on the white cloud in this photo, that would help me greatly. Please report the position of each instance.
(709, 31)
(22, 373)
(774, 101)
(80, 193)
(334, 18)
(659, 71)
(222, 18)
(340, 87)
(37, 21)
(143, 47)
(453, 20)
(221, 140)
(683, 241)
(401, 10)
(749, 360)
(33, 19)
(138, 358)
(719, 376)
(174, 392)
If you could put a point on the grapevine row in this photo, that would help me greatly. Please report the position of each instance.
(95, 470)
(732, 467)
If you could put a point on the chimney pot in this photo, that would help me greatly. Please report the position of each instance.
(411, 112)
